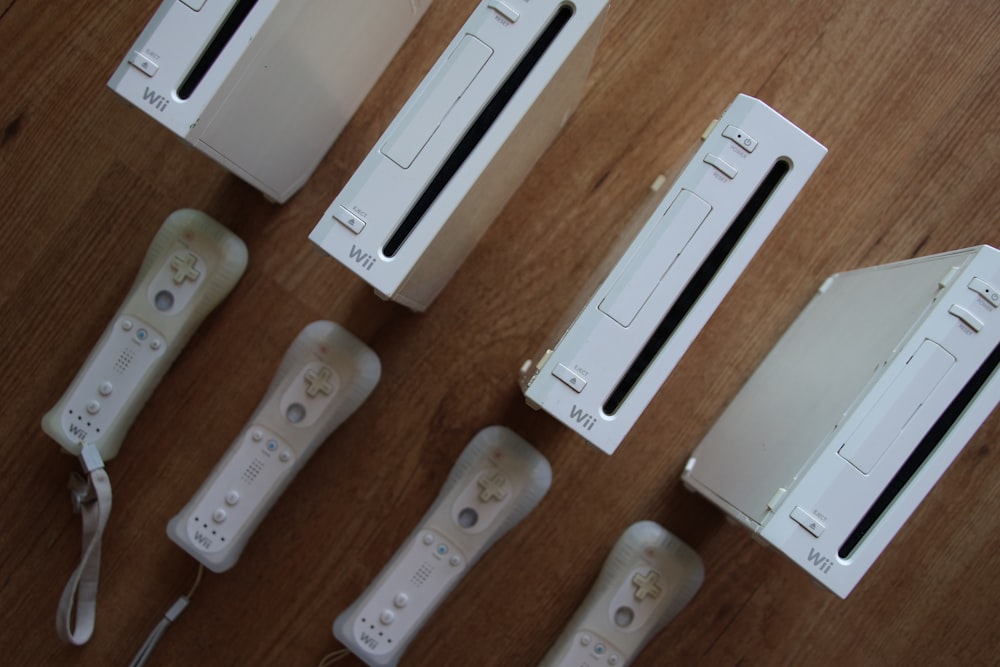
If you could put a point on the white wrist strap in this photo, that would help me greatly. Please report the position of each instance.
(91, 497)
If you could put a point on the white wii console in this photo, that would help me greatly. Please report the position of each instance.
(263, 87)
(620, 348)
(462, 144)
(858, 410)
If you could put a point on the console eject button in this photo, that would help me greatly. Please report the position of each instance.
(349, 220)
(808, 521)
(143, 64)
(572, 379)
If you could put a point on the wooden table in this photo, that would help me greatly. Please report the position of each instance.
(904, 94)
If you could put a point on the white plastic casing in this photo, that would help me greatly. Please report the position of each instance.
(282, 88)
(413, 175)
(647, 579)
(324, 377)
(498, 479)
(192, 263)
(883, 365)
(644, 315)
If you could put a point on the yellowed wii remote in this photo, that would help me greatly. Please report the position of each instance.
(192, 263)
(647, 579)
(324, 377)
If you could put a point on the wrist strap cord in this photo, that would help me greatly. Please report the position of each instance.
(175, 610)
(335, 656)
(91, 498)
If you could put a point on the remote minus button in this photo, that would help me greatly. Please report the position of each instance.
(573, 380)
(808, 521)
(349, 220)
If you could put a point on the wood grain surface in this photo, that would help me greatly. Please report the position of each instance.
(905, 95)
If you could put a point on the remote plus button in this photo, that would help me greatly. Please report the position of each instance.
(183, 266)
(319, 382)
(646, 586)
(492, 488)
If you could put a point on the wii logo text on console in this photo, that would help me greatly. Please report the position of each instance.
(581, 417)
(155, 99)
(819, 560)
(366, 260)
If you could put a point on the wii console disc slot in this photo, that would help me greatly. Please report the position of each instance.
(687, 255)
(463, 143)
(857, 411)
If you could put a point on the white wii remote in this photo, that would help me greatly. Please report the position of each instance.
(647, 579)
(498, 479)
(191, 265)
(324, 377)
